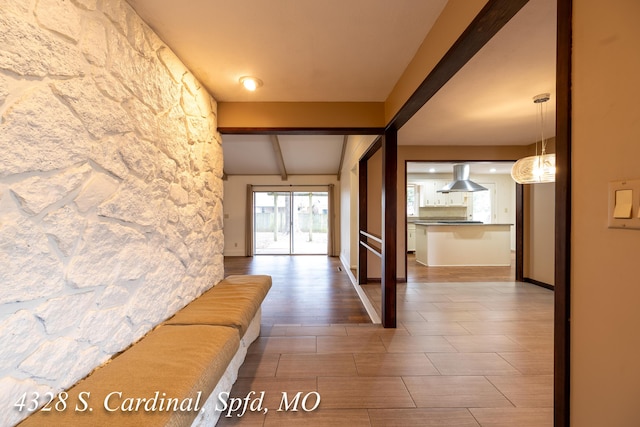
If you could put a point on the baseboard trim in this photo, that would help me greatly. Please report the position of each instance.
(234, 253)
(371, 311)
(538, 283)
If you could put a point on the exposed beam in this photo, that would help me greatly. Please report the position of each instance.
(344, 150)
(373, 148)
(493, 16)
(279, 159)
(451, 22)
(301, 131)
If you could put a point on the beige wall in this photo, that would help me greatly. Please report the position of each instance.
(357, 145)
(301, 114)
(374, 211)
(539, 235)
(605, 278)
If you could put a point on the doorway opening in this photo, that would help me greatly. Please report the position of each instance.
(291, 222)
(484, 204)
(496, 206)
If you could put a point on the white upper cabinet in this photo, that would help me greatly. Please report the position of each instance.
(457, 199)
(429, 195)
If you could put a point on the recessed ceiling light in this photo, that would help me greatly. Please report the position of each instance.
(492, 170)
(432, 170)
(250, 83)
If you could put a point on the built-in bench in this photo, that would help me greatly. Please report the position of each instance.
(182, 365)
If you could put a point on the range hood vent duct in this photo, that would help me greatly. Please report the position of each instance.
(461, 181)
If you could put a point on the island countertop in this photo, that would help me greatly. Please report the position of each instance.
(454, 223)
(463, 244)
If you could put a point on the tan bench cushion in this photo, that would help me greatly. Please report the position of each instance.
(232, 302)
(179, 361)
(242, 279)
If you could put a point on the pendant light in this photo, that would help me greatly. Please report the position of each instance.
(541, 167)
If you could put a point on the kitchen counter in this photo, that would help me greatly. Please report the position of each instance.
(463, 244)
(454, 223)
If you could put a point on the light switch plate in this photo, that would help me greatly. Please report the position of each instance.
(624, 190)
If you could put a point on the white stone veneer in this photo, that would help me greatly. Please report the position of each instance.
(110, 190)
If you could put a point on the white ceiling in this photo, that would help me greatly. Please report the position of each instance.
(302, 154)
(303, 50)
(356, 50)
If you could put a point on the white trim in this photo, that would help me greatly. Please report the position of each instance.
(371, 311)
(234, 252)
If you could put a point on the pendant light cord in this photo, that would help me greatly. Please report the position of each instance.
(543, 143)
(541, 101)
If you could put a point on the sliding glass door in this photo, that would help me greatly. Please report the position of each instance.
(290, 222)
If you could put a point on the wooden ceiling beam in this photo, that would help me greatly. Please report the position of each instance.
(345, 138)
(493, 16)
(275, 142)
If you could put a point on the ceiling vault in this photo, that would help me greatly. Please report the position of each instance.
(275, 142)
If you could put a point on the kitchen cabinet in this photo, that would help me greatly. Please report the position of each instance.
(441, 198)
(421, 244)
(429, 195)
(457, 199)
(411, 237)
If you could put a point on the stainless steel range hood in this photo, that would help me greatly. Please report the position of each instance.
(461, 181)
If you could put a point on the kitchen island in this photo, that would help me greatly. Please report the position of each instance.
(463, 244)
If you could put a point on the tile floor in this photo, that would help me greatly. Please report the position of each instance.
(464, 354)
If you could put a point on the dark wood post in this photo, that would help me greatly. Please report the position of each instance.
(519, 232)
(389, 226)
(562, 312)
(362, 220)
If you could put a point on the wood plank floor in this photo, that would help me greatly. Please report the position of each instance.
(419, 273)
(307, 289)
(464, 354)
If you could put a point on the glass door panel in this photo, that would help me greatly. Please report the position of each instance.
(272, 222)
(310, 222)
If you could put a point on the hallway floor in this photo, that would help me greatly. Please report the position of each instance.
(464, 354)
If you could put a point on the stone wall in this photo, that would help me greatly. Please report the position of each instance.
(110, 190)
